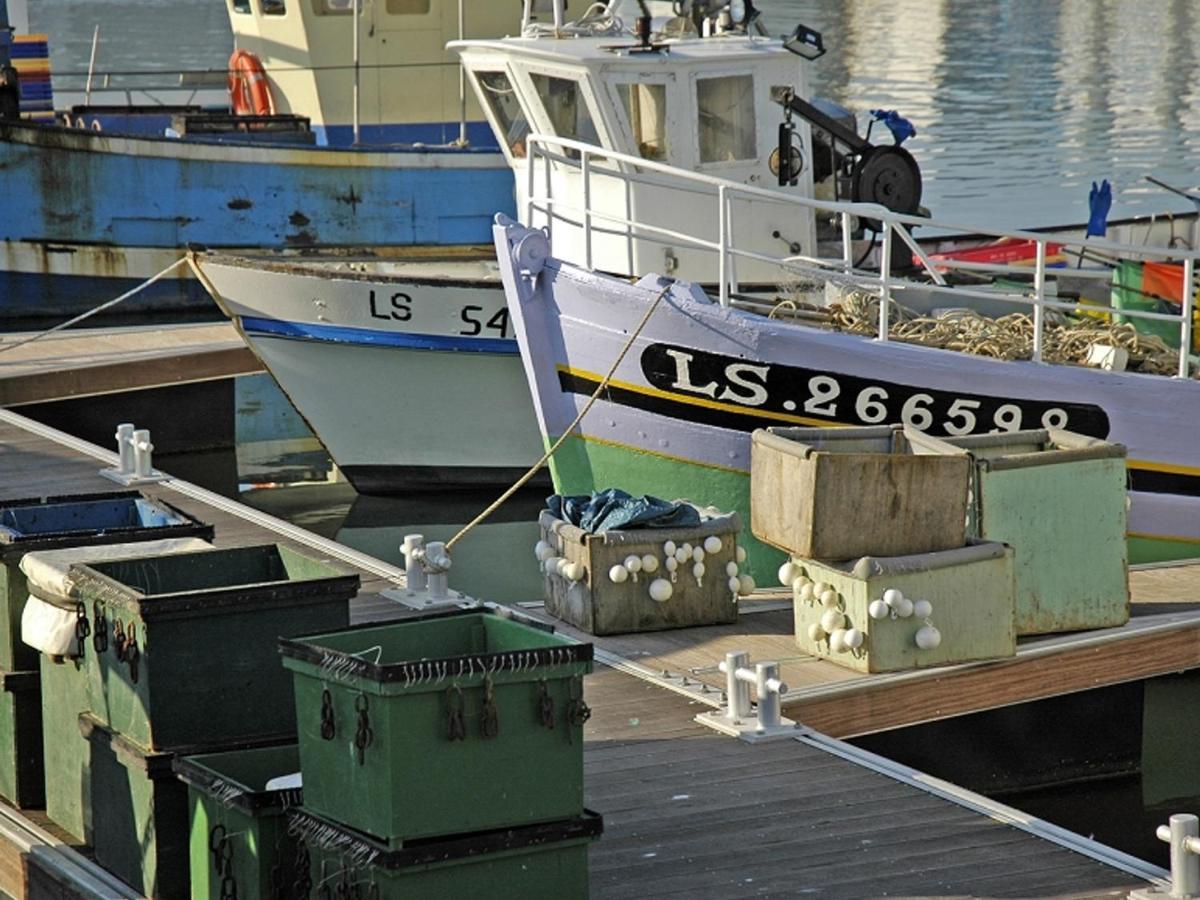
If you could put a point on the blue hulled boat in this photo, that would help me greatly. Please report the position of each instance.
(343, 131)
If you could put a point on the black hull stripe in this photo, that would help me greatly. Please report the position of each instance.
(1145, 480)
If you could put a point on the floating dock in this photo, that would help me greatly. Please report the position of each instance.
(89, 363)
(689, 812)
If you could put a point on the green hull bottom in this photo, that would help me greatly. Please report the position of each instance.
(581, 466)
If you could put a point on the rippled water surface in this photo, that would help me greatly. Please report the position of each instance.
(1019, 105)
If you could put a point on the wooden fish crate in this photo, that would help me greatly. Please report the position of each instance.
(21, 768)
(969, 591)
(1059, 499)
(844, 493)
(76, 520)
(239, 843)
(598, 605)
(541, 860)
(191, 640)
(441, 724)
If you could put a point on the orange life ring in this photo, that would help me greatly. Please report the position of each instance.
(249, 92)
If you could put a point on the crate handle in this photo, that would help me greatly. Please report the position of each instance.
(489, 717)
(328, 726)
(456, 724)
(363, 734)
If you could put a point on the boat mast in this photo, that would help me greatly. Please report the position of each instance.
(354, 14)
(462, 84)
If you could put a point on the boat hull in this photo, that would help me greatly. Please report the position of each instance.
(676, 417)
(109, 197)
(411, 381)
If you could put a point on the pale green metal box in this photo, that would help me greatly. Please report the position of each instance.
(1059, 499)
(547, 860)
(239, 843)
(77, 520)
(190, 658)
(970, 591)
(441, 724)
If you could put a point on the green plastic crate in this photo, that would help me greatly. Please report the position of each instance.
(1059, 500)
(139, 809)
(190, 657)
(64, 697)
(21, 773)
(139, 813)
(543, 860)
(395, 725)
(239, 841)
(77, 520)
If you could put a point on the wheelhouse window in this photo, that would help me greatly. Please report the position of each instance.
(240, 6)
(333, 7)
(566, 108)
(274, 7)
(725, 113)
(407, 7)
(502, 102)
(646, 111)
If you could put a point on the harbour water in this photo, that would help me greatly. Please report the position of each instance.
(1019, 106)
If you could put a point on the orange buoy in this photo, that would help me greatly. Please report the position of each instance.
(249, 92)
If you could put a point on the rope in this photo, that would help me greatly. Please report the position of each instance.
(520, 482)
(1007, 337)
(91, 312)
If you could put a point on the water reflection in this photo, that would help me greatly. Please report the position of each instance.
(493, 562)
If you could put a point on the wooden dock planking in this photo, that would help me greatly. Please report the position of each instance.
(692, 814)
(110, 360)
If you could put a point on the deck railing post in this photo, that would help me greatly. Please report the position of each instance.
(722, 247)
(1185, 328)
(732, 271)
(885, 282)
(549, 199)
(585, 163)
(847, 242)
(1039, 301)
(530, 182)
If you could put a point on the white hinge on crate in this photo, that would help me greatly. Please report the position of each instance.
(135, 465)
(426, 569)
(736, 717)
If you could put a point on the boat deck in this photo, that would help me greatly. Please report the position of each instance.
(109, 360)
(688, 812)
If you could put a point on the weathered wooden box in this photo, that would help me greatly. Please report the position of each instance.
(191, 640)
(541, 860)
(441, 724)
(1059, 500)
(21, 771)
(239, 844)
(598, 605)
(78, 520)
(969, 591)
(843, 493)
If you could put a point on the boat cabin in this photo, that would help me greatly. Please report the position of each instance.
(674, 97)
(409, 87)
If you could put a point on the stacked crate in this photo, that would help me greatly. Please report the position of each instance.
(186, 665)
(41, 524)
(443, 756)
(882, 573)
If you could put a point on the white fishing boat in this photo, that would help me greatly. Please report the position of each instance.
(713, 104)
(679, 394)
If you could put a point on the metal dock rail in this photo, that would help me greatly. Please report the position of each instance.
(689, 812)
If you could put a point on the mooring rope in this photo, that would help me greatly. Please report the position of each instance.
(523, 480)
(108, 304)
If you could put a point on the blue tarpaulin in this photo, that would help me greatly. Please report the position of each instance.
(613, 510)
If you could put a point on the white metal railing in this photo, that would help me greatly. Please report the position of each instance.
(551, 151)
